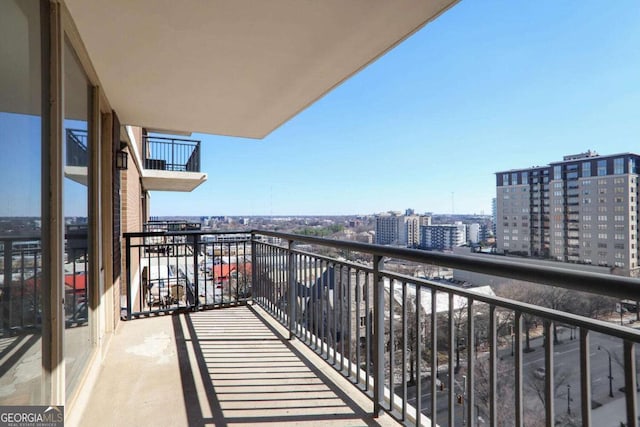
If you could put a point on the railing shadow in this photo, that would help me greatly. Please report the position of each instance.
(15, 349)
(252, 374)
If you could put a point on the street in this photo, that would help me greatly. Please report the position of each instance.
(567, 373)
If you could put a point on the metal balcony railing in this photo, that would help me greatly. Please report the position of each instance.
(76, 149)
(423, 350)
(21, 282)
(171, 154)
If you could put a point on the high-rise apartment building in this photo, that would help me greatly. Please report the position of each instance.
(393, 228)
(412, 225)
(443, 236)
(582, 209)
(388, 228)
(473, 232)
(494, 214)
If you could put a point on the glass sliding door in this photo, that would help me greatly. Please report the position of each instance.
(21, 165)
(77, 151)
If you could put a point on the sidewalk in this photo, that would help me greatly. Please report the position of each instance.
(611, 414)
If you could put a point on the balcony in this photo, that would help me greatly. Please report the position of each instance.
(77, 157)
(495, 359)
(171, 164)
(221, 367)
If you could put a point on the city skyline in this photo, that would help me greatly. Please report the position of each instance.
(486, 87)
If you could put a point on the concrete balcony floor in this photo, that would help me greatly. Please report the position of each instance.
(224, 367)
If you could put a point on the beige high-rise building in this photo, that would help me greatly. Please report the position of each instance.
(582, 209)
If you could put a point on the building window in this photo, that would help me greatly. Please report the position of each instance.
(557, 172)
(618, 166)
(586, 169)
(602, 167)
(21, 166)
(514, 178)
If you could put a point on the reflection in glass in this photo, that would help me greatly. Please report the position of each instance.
(20, 204)
(77, 341)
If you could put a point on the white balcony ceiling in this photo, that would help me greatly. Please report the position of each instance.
(235, 67)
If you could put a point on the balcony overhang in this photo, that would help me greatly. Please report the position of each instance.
(77, 174)
(161, 180)
(235, 67)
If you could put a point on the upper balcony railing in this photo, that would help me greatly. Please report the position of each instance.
(425, 350)
(76, 150)
(171, 154)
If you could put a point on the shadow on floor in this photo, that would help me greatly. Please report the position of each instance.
(251, 374)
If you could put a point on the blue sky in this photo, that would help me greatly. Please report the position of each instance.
(488, 86)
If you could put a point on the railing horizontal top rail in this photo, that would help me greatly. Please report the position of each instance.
(598, 283)
(164, 138)
(138, 234)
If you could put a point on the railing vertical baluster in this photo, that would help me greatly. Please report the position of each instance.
(404, 350)
(245, 288)
(22, 280)
(349, 321)
(334, 311)
(493, 367)
(451, 344)
(358, 325)
(128, 284)
(519, 391)
(585, 377)
(291, 288)
(300, 295)
(255, 285)
(630, 383)
(275, 273)
(418, 355)
(229, 273)
(270, 279)
(378, 324)
(471, 340)
(237, 274)
(324, 305)
(196, 262)
(6, 287)
(392, 345)
(367, 309)
(548, 378)
(342, 320)
(314, 296)
(434, 356)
